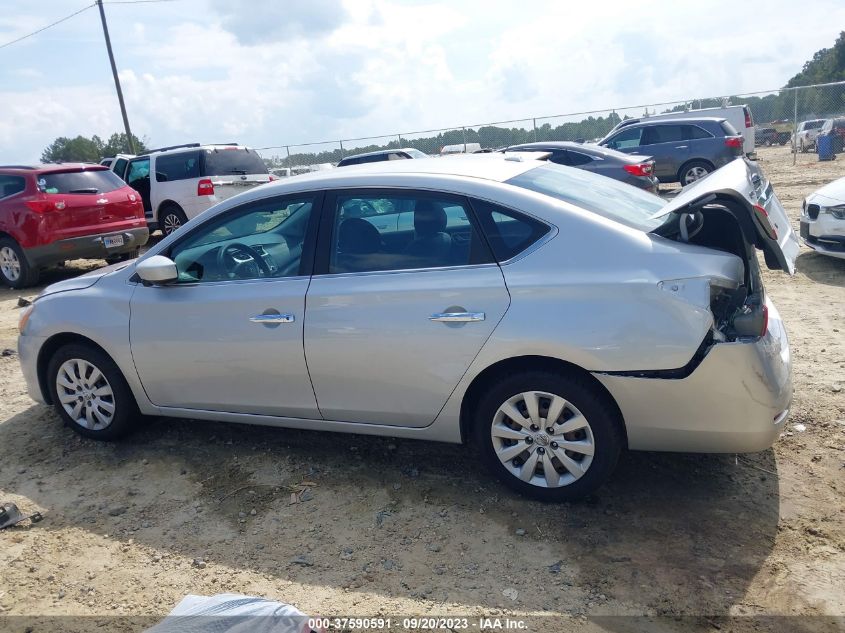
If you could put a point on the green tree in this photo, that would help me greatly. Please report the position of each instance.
(73, 150)
(827, 65)
(89, 150)
(117, 144)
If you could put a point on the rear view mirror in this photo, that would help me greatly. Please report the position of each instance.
(157, 269)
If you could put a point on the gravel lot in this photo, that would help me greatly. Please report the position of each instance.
(396, 527)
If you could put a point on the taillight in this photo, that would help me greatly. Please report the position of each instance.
(643, 169)
(763, 218)
(765, 327)
(734, 141)
(205, 187)
(748, 121)
(42, 204)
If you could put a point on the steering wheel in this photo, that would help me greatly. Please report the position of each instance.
(227, 260)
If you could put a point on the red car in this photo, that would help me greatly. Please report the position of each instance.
(53, 213)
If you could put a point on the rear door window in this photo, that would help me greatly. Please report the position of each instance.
(181, 166)
(663, 134)
(99, 181)
(10, 185)
(232, 160)
(508, 232)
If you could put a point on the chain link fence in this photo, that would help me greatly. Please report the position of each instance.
(788, 116)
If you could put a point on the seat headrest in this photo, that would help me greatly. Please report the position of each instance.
(358, 237)
(429, 218)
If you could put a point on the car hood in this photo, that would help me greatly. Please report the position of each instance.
(742, 181)
(85, 280)
(833, 191)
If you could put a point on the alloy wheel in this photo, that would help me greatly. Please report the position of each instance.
(85, 394)
(171, 223)
(10, 264)
(542, 439)
(694, 174)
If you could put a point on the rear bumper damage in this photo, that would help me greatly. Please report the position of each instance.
(736, 401)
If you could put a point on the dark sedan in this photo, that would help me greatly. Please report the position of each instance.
(632, 169)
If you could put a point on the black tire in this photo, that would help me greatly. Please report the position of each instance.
(170, 218)
(594, 405)
(693, 165)
(125, 412)
(12, 258)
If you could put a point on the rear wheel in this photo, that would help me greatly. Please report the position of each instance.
(694, 170)
(90, 393)
(550, 436)
(15, 270)
(171, 218)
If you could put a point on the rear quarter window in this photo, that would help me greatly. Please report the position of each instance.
(508, 232)
(10, 185)
(94, 181)
(728, 129)
(233, 160)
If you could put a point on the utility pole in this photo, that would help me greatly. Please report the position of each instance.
(116, 80)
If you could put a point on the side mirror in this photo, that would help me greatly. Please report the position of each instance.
(158, 270)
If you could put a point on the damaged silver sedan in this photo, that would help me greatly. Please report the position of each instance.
(549, 316)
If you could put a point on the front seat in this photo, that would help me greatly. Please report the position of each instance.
(357, 242)
(431, 242)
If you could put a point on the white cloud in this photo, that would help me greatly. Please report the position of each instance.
(275, 73)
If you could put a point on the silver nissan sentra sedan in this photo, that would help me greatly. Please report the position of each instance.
(549, 316)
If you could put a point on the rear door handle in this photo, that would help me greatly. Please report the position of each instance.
(457, 317)
(272, 318)
(681, 146)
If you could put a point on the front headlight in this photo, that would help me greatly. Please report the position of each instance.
(24, 318)
(838, 211)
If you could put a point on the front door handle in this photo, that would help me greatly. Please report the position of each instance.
(272, 318)
(681, 146)
(457, 317)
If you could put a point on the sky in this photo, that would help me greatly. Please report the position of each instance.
(275, 73)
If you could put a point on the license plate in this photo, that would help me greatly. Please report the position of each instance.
(112, 241)
(805, 230)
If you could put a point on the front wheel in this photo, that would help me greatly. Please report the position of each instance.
(694, 170)
(90, 393)
(550, 436)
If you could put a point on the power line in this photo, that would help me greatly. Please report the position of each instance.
(44, 28)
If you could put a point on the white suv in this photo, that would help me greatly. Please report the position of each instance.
(189, 179)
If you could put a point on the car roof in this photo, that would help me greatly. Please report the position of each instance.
(703, 119)
(494, 167)
(377, 153)
(591, 149)
(46, 168)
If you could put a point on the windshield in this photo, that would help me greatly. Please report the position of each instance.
(599, 194)
(233, 160)
(94, 181)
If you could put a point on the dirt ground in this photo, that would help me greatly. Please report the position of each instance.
(397, 527)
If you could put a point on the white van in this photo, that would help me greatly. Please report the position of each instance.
(737, 115)
(461, 148)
